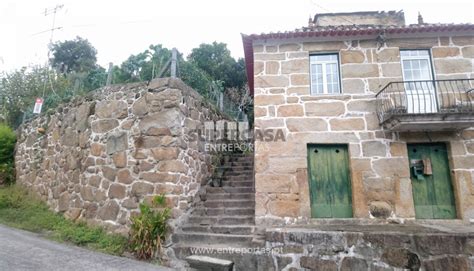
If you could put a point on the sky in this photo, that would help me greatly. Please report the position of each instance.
(118, 29)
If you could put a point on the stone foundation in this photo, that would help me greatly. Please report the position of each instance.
(353, 244)
(387, 247)
(98, 157)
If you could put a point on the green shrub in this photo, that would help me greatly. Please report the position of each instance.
(7, 144)
(7, 147)
(149, 228)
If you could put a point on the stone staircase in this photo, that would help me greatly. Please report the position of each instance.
(225, 219)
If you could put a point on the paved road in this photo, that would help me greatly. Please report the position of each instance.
(20, 250)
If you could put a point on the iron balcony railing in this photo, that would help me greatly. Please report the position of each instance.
(454, 96)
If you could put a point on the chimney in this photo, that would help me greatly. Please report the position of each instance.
(310, 22)
(420, 18)
(393, 18)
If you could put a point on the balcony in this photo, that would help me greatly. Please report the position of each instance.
(432, 105)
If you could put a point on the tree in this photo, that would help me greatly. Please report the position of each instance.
(95, 79)
(19, 89)
(131, 69)
(143, 66)
(76, 55)
(194, 77)
(215, 60)
(206, 64)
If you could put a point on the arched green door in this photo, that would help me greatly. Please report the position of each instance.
(329, 181)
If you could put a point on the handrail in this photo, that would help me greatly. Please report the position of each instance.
(425, 97)
(417, 81)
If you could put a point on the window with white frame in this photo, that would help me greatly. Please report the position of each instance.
(416, 65)
(418, 73)
(324, 71)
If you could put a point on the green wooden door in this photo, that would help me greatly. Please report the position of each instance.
(329, 181)
(432, 189)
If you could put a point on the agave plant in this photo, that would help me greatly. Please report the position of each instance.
(149, 228)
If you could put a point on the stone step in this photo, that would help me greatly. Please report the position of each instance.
(215, 196)
(238, 178)
(236, 168)
(229, 189)
(210, 238)
(229, 168)
(233, 155)
(229, 203)
(206, 263)
(239, 170)
(222, 229)
(240, 173)
(223, 220)
(241, 159)
(238, 183)
(223, 211)
(240, 164)
(243, 260)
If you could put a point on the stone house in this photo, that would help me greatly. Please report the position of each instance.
(377, 117)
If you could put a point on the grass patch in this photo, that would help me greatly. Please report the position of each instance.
(20, 209)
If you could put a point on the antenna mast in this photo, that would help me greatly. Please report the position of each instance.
(49, 11)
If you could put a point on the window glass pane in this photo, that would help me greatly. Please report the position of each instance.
(322, 58)
(335, 78)
(423, 64)
(337, 88)
(330, 71)
(414, 53)
(416, 75)
(317, 78)
(317, 88)
(317, 73)
(407, 71)
(407, 64)
(416, 69)
(404, 53)
(425, 74)
(319, 68)
(332, 88)
(425, 70)
(421, 52)
(325, 57)
(418, 64)
(329, 87)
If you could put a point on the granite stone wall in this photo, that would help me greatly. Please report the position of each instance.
(96, 158)
(379, 167)
(376, 248)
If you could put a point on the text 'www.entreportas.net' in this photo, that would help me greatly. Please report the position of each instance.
(233, 250)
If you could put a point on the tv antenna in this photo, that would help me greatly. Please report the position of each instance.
(53, 11)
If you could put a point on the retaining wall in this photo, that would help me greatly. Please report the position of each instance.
(97, 157)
